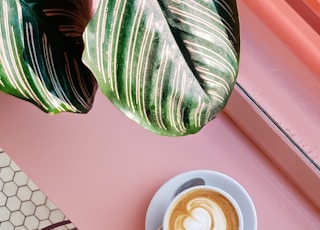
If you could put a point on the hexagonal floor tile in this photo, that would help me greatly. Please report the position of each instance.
(23, 206)
(13, 203)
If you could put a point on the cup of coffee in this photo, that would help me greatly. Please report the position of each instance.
(203, 208)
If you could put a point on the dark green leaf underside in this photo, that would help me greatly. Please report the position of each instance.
(40, 54)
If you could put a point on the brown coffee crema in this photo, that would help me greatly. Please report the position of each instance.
(203, 209)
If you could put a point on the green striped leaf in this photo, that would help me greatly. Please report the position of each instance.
(40, 54)
(168, 65)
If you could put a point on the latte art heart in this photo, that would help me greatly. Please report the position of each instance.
(203, 210)
(200, 220)
(204, 214)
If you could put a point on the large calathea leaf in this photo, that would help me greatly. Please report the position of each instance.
(40, 54)
(170, 65)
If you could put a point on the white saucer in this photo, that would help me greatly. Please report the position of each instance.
(165, 194)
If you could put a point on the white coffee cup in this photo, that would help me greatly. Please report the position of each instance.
(203, 208)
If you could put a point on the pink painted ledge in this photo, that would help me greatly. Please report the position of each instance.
(288, 90)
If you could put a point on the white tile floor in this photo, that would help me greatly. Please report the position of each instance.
(23, 206)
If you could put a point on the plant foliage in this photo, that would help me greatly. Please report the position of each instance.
(170, 65)
(40, 54)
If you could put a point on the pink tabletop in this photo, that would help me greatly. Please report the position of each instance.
(101, 169)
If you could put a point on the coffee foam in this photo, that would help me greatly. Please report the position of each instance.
(203, 210)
